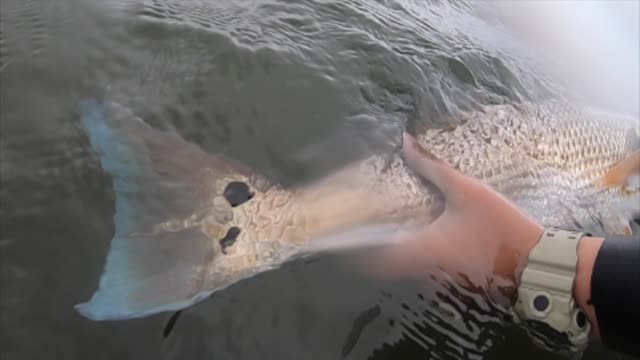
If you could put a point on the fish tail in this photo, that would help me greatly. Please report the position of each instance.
(159, 255)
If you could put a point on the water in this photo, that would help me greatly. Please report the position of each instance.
(272, 84)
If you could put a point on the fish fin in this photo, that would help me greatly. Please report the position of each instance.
(618, 229)
(159, 254)
(624, 171)
(617, 225)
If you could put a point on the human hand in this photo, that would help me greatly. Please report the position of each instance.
(481, 237)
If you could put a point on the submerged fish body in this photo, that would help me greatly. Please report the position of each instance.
(550, 160)
(189, 223)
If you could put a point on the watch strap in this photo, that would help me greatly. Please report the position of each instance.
(546, 287)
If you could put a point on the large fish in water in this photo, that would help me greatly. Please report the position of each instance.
(188, 223)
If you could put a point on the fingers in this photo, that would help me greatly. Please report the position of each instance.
(451, 182)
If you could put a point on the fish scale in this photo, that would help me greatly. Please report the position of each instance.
(539, 156)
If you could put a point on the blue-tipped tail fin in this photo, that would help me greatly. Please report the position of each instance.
(159, 255)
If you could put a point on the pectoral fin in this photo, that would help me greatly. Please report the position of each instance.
(618, 225)
(623, 172)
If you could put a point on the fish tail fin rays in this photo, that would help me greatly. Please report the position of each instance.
(159, 255)
(134, 283)
(626, 173)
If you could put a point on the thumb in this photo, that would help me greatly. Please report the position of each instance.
(453, 184)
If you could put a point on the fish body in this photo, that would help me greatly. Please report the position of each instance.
(550, 160)
(178, 236)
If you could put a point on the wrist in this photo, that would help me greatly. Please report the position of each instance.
(512, 258)
(547, 289)
(530, 238)
(587, 252)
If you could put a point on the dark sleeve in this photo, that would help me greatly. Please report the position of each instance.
(615, 293)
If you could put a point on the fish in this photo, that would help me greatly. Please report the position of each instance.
(566, 167)
(189, 223)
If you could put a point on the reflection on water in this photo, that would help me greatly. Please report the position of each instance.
(234, 76)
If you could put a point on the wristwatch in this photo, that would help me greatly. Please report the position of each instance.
(545, 296)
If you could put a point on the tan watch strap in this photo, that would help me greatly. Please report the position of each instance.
(546, 288)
